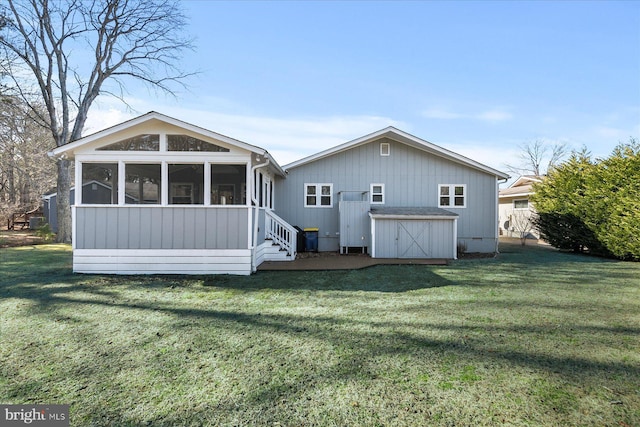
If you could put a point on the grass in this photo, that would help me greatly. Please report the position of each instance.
(533, 337)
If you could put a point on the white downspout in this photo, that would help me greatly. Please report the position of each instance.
(254, 199)
(498, 182)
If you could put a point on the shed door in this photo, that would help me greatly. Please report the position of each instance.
(413, 239)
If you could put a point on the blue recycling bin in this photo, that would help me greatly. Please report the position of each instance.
(311, 239)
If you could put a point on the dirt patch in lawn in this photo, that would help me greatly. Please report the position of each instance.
(9, 238)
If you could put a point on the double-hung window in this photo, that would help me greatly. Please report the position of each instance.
(318, 195)
(376, 194)
(452, 196)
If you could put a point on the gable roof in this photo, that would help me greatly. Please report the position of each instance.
(521, 187)
(405, 138)
(153, 115)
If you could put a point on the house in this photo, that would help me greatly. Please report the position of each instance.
(516, 210)
(392, 195)
(164, 196)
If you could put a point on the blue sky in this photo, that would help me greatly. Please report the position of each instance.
(479, 78)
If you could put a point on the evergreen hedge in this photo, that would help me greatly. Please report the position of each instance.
(593, 205)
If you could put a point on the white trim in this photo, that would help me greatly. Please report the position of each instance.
(405, 138)
(318, 194)
(496, 202)
(524, 178)
(251, 218)
(509, 196)
(162, 261)
(372, 194)
(455, 238)
(78, 178)
(164, 181)
(402, 216)
(207, 183)
(373, 236)
(73, 228)
(385, 149)
(121, 188)
(145, 157)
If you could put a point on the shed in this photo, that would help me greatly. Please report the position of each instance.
(419, 232)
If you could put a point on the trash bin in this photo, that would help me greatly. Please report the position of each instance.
(300, 239)
(311, 239)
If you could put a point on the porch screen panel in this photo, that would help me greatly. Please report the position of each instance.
(142, 183)
(99, 183)
(186, 184)
(228, 184)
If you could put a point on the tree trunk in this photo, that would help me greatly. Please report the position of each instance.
(64, 207)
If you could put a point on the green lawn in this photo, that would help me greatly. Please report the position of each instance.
(534, 337)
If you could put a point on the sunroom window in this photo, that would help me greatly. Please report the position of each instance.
(186, 182)
(142, 183)
(99, 183)
(228, 184)
(189, 143)
(146, 142)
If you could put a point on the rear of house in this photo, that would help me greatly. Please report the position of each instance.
(392, 195)
(162, 196)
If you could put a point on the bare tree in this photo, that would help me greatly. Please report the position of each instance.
(63, 54)
(26, 172)
(523, 224)
(537, 158)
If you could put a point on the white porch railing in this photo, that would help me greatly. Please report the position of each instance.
(283, 234)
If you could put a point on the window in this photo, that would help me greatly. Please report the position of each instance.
(186, 184)
(150, 142)
(228, 184)
(100, 183)
(521, 204)
(318, 195)
(377, 194)
(189, 143)
(142, 183)
(452, 196)
(385, 149)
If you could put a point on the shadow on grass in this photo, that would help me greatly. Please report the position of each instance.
(360, 341)
(323, 327)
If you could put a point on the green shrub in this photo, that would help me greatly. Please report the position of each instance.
(45, 233)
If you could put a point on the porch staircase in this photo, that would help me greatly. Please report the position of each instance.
(280, 239)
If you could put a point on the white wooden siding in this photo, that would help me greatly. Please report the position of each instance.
(132, 261)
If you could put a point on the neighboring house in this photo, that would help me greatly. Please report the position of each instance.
(393, 195)
(516, 210)
(177, 198)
